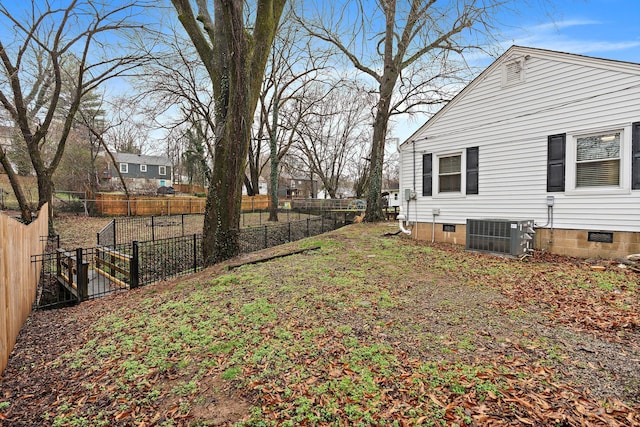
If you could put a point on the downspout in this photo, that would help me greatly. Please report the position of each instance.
(401, 219)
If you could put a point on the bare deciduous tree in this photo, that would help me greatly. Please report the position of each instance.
(74, 44)
(333, 131)
(179, 96)
(389, 41)
(292, 69)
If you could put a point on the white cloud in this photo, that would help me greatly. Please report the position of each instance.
(573, 36)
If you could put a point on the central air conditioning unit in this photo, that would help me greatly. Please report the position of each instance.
(501, 236)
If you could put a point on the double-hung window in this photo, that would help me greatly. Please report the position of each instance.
(162, 170)
(450, 173)
(124, 167)
(598, 160)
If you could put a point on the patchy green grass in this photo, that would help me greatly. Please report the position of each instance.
(367, 330)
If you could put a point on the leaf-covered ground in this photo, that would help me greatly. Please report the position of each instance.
(367, 330)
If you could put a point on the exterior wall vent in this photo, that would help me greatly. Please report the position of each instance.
(600, 236)
(502, 236)
(513, 72)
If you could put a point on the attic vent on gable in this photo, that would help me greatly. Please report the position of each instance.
(513, 72)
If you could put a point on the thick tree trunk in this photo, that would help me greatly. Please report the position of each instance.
(45, 195)
(374, 196)
(236, 68)
(25, 211)
(222, 213)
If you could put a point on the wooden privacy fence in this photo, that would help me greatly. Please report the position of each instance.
(118, 205)
(18, 278)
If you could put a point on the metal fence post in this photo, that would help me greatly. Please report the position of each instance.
(153, 229)
(82, 278)
(114, 232)
(265, 237)
(195, 252)
(134, 266)
(321, 223)
(182, 224)
(289, 224)
(308, 232)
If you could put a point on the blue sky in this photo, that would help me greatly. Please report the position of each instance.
(607, 29)
(601, 28)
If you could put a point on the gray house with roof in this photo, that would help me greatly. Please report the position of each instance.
(141, 172)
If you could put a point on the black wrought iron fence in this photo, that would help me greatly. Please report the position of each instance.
(68, 277)
(127, 229)
(165, 258)
(122, 230)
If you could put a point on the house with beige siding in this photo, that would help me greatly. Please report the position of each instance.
(541, 141)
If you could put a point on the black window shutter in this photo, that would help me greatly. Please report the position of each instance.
(427, 176)
(556, 148)
(635, 156)
(472, 170)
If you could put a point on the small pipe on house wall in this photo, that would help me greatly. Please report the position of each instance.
(433, 229)
(414, 170)
(549, 222)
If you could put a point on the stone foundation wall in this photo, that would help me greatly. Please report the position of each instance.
(576, 243)
(561, 241)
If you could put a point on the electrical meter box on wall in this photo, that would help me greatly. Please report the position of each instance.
(409, 194)
(501, 236)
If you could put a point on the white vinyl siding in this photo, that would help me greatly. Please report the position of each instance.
(561, 94)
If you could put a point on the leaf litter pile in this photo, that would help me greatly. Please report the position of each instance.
(366, 330)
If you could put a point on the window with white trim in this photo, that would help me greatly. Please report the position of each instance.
(162, 170)
(124, 167)
(143, 168)
(598, 160)
(450, 174)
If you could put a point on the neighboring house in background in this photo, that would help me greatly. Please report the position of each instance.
(140, 172)
(392, 195)
(297, 188)
(542, 135)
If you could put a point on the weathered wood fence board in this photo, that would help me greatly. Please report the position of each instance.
(18, 276)
(118, 205)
